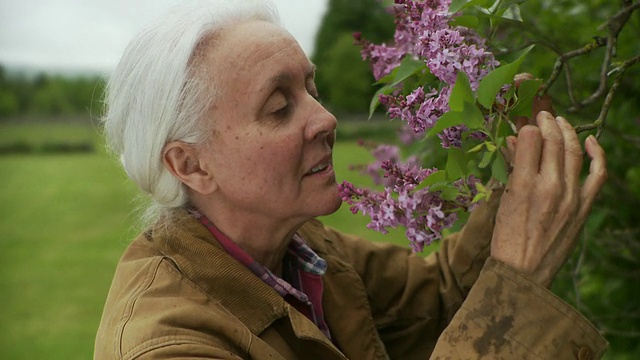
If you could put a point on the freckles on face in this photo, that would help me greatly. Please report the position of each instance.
(261, 148)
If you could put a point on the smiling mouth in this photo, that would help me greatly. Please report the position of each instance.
(318, 168)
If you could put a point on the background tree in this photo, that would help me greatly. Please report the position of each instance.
(341, 67)
(43, 95)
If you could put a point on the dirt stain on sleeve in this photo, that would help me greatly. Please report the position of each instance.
(494, 336)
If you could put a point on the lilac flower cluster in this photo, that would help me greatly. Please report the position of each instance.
(423, 32)
(387, 154)
(423, 213)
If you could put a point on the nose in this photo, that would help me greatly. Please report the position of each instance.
(321, 125)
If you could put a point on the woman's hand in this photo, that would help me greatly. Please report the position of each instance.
(544, 207)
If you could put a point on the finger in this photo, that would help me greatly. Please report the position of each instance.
(552, 158)
(572, 154)
(509, 152)
(512, 143)
(597, 175)
(526, 164)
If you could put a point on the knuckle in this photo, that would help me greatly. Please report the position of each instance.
(552, 187)
(602, 174)
(571, 202)
(529, 131)
(573, 150)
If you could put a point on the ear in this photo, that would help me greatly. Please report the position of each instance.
(182, 160)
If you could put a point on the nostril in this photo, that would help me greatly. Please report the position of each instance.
(331, 138)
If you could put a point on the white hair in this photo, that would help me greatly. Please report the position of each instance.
(157, 94)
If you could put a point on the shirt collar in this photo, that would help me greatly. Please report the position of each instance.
(305, 258)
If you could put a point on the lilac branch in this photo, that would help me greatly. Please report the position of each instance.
(600, 121)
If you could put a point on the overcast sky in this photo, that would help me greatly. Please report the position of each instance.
(90, 35)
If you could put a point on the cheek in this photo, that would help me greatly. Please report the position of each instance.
(271, 160)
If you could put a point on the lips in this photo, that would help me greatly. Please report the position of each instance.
(318, 169)
(321, 166)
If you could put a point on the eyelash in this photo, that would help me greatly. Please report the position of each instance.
(285, 111)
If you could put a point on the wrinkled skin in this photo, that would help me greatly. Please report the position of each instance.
(544, 206)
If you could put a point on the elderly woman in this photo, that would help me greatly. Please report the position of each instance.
(213, 112)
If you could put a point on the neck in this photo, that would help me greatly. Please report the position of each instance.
(265, 240)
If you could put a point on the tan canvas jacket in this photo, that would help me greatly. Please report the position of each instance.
(178, 294)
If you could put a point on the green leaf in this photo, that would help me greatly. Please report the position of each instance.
(491, 84)
(437, 177)
(468, 21)
(450, 193)
(512, 13)
(471, 117)
(439, 186)
(490, 146)
(481, 188)
(459, 5)
(526, 93)
(407, 68)
(499, 170)
(449, 119)
(461, 93)
(479, 197)
(476, 148)
(456, 165)
(486, 159)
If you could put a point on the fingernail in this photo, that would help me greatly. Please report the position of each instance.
(592, 139)
(543, 114)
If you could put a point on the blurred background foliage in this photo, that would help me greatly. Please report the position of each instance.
(45, 117)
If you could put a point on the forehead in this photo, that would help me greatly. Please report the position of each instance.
(255, 52)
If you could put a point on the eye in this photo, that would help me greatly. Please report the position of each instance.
(278, 105)
(283, 111)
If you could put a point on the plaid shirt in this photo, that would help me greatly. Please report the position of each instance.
(301, 284)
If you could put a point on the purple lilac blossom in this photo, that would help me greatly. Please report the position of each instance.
(422, 32)
(423, 213)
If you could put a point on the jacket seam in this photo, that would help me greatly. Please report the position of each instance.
(149, 346)
(126, 316)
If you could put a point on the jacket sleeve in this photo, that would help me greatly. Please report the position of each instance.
(454, 304)
(507, 316)
(412, 298)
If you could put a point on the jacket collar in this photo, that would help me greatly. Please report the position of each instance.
(202, 259)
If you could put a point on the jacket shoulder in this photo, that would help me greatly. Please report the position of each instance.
(152, 307)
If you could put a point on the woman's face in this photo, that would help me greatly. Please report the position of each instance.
(271, 147)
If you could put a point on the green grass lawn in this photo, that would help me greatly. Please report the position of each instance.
(65, 220)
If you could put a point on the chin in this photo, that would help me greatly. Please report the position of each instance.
(332, 205)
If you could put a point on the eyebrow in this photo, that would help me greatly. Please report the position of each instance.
(285, 77)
